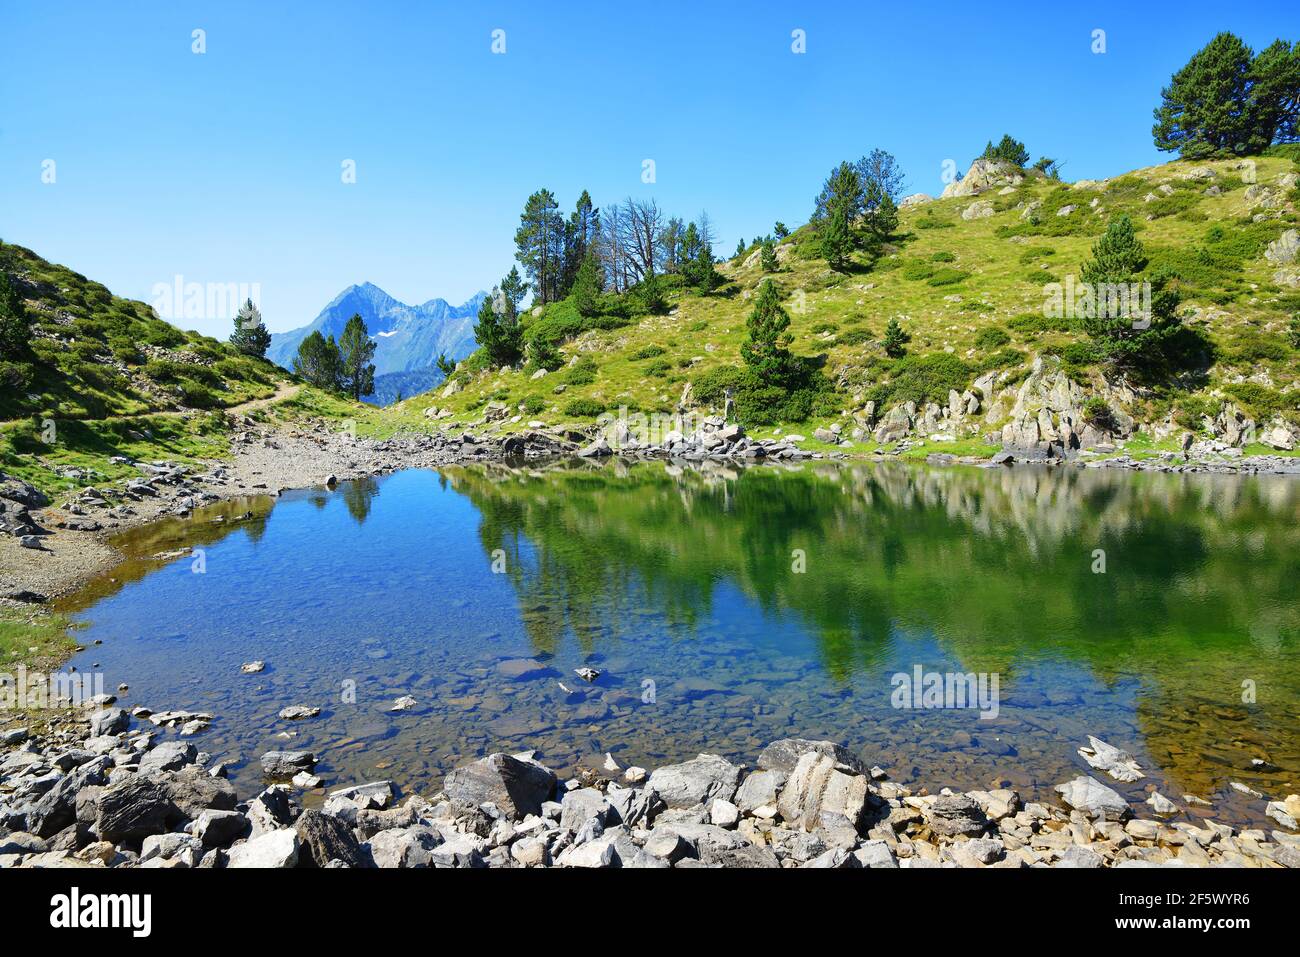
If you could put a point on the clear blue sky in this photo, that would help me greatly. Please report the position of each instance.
(225, 167)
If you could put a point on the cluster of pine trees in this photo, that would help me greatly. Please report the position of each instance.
(627, 250)
(629, 245)
(857, 207)
(344, 366)
(1229, 101)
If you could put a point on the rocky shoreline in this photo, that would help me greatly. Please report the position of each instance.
(101, 787)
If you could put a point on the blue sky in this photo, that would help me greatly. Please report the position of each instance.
(225, 167)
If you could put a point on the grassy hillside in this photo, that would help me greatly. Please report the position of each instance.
(971, 294)
(113, 379)
(116, 380)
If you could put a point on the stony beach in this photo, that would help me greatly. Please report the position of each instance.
(101, 787)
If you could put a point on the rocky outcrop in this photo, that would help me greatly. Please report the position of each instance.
(983, 175)
(1284, 250)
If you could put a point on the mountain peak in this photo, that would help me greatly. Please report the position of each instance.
(408, 338)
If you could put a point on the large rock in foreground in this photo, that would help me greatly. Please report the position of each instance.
(818, 786)
(515, 786)
(1092, 797)
(783, 755)
(275, 849)
(698, 781)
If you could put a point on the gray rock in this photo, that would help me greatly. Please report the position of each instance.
(668, 845)
(876, 854)
(109, 721)
(634, 806)
(783, 755)
(272, 810)
(167, 846)
(275, 849)
(283, 765)
(598, 853)
(817, 785)
(1094, 798)
(517, 788)
(216, 828)
(836, 858)
(168, 756)
(697, 781)
(951, 815)
(193, 790)
(134, 809)
(374, 794)
(1119, 764)
(759, 788)
(577, 807)
(460, 850)
(1077, 856)
(407, 847)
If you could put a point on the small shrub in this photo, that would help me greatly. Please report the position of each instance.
(917, 269)
(947, 276)
(943, 256)
(582, 372)
(1096, 412)
(990, 338)
(927, 378)
(584, 408)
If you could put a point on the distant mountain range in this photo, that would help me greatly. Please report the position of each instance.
(408, 338)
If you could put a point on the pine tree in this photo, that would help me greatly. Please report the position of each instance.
(540, 244)
(356, 350)
(837, 240)
(1008, 150)
(513, 290)
(740, 249)
(1226, 101)
(1275, 92)
(895, 339)
(319, 362)
(781, 230)
(581, 234)
(15, 328)
(445, 365)
(497, 331)
(882, 215)
(1113, 275)
(843, 191)
(586, 286)
(767, 256)
(766, 350)
(251, 336)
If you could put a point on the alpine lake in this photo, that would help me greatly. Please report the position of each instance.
(725, 608)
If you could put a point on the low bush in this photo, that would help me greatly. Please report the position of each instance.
(584, 408)
(990, 338)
